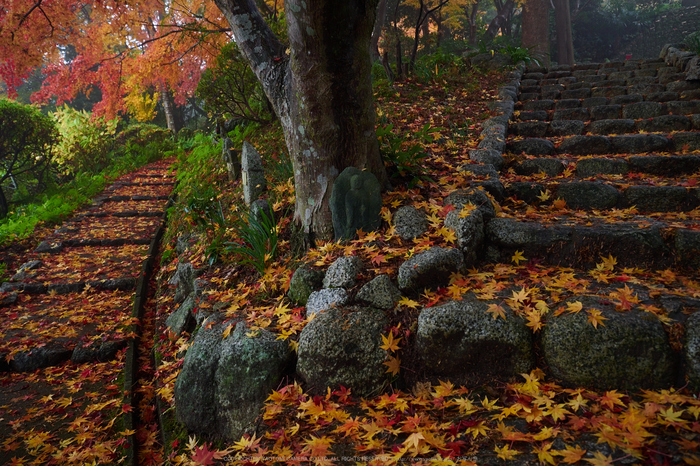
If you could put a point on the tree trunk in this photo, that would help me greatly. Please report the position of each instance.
(535, 33)
(377, 31)
(472, 21)
(322, 93)
(169, 109)
(565, 43)
(4, 205)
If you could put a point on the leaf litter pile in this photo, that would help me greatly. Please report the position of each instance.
(533, 420)
(73, 411)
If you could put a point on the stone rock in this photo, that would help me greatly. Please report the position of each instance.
(230, 156)
(496, 143)
(410, 222)
(612, 127)
(641, 110)
(567, 103)
(696, 120)
(551, 167)
(691, 350)
(356, 202)
(608, 91)
(571, 114)
(585, 145)
(591, 102)
(606, 112)
(252, 173)
(588, 195)
(533, 115)
(101, 351)
(343, 272)
(186, 281)
(532, 146)
(343, 348)
(487, 156)
(460, 198)
(469, 231)
(479, 170)
(325, 299)
(379, 292)
(639, 143)
(526, 191)
(461, 340)
(631, 351)
(500, 120)
(566, 127)
(50, 355)
(581, 93)
(529, 128)
(626, 99)
(181, 319)
(24, 269)
(665, 124)
(224, 382)
(429, 269)
(259, 209)
(599, 166)
(683, 107)
(680, 86)
(656, 198)
(304, 281)
(539, 105)
(686, 141)
(663, 96)
(692, 70)
(49, 247)
(687, 246)
(663, 165)
(491, 62)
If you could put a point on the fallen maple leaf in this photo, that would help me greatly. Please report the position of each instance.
(505, 453)
(390, 344)
(595, 318)
(518, 257)
(393, 365)
(574, 307)
(497, 311)
(204, 456)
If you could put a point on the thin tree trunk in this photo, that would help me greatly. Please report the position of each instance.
(419, 22)
(4, 207)
(472, 21)
(168, 109)
(377, 31)
(322, 94)
(536, 27)
(565, 43)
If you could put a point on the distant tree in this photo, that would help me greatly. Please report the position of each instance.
(26, 139)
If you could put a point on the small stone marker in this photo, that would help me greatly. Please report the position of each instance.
(356, 202)
(252, 173)
(230, 156)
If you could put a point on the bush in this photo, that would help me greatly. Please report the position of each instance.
(85, 142)
(230, 88)
(26, 140)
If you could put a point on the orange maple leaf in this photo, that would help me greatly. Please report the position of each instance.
(393, 365)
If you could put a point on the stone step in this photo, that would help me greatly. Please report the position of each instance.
(609, 126)
(580, 241)
(607, 194)
(602, 109)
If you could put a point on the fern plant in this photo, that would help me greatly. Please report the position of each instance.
(257, 240)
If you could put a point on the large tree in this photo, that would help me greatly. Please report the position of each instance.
(321, 91)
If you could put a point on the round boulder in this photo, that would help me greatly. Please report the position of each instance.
(461, 340)
(343, 348)
(628, 350)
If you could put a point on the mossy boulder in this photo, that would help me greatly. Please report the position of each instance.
(463, 341)
(342, 347)
(224, 382)
(628, 350)
(304, 281)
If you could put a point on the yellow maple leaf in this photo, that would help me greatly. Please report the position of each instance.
(544, 195)
(571, 455)
(595, 318)
(544, 454)
(518, 257)
(448, 234)
(559, 204)
(599, 459)
(497, 311)
(393, 365)
(404, 301)
(390, 344)
(607, 264)
(505, 453)
(574, 307)
(227, 331)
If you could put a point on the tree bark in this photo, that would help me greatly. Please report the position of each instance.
(472, 20)
(377, 31)
(168, 109)
(535, 29)
(565, 43)
(321, 92)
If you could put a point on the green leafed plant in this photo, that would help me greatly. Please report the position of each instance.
(405, 156)
(692, 41)
(256, 240)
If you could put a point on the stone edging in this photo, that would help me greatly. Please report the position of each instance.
(131, 363)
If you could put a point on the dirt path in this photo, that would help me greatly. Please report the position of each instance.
(68, 315)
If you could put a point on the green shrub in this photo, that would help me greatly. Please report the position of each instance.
(256, 240)
(85, 144)
(692, 41)
(26, 140)
(403, 155)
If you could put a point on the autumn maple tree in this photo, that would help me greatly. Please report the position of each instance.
(133, 53)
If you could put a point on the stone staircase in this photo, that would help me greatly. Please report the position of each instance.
(600, 159)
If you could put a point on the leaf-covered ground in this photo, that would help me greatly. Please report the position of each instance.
(72, 412)
(533, 420)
